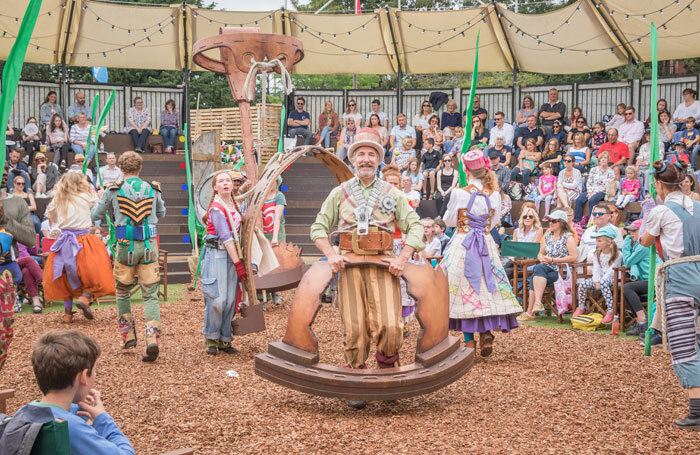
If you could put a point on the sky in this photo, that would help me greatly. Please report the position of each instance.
(247, 5)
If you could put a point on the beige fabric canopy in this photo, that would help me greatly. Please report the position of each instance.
(587, 36)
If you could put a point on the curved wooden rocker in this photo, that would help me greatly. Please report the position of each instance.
(440, 359)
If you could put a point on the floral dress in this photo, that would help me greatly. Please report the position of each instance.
(556, 248)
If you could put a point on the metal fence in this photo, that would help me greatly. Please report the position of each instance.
(596, 99)
(31, 94)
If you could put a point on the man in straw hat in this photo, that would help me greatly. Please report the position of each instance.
(365, 208)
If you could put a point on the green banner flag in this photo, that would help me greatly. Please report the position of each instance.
(13, 67)
(468, 123)
(191, 216)
(653, 156)
(94, 131)
(280, 142)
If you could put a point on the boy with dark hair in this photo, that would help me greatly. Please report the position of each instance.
(440, 227)
(64, 367)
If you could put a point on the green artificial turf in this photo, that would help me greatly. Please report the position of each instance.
(551, 322)
(175, 293)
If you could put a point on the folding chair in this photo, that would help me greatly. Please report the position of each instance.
(626, 319)
(594, 298)
(524, 255)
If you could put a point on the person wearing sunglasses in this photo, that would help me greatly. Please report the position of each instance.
(20, 191)
(579, 126)
(447, 180)
(674, 224)
(298, 122)
(630, 132)
(351, 112)
(619, 117)
(596, 184)
(44, 175)
(421, 121)
(601, 219)
(451, 119)
(569, 183)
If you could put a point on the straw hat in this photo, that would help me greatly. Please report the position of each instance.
(366, 137)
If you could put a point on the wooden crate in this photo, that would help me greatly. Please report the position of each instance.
(227, 121)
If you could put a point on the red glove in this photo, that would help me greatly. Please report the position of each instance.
(240, 270)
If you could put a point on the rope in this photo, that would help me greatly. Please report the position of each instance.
(661, 287)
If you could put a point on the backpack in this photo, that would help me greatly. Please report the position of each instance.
(516, 191)
(33, 430)
(587, 322)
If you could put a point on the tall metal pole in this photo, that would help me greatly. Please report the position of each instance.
(186, 77)
(399, 73)
(64, 72)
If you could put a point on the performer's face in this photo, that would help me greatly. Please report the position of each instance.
(236, 185)
(366, 162)
(223, 184)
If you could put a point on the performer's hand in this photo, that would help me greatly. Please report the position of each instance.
(337, 262)
(240, 271)
(396, 265)
(91, 406)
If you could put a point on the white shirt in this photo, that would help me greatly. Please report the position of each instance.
(590, 242)
(459, 199)
(433, 248)
(356, 116)
(604, 270)
(422, 120)
(110, 175)
(683, 111)
(78, 214)
(666, 225)
(400, 133)
(382, 117)
(507, 131)
(630, 132)
(412, 196)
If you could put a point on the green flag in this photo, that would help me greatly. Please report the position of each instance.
(13, 67)
(94, 131)
(653, 156)
(280, 142)
(191, 216)
(467, 125)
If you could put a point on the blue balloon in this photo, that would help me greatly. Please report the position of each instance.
(185, 212)
(100, 74)
(186, 239)
(284, 188)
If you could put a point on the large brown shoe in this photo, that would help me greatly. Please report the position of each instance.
(152, 336)
(68, 317)
(486, 344)
(127, 331)
(84, 305)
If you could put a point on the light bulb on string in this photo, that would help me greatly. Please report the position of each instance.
(612, 50)
(644, 17)
(627, 16)
(661, 11)
(612, 11)
(586, 54)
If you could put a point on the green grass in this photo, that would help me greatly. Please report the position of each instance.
(551, 322)
(175, 294)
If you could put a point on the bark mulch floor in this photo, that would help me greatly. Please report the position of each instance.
(543, 391)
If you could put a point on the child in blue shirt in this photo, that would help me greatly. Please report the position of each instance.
(64, 367)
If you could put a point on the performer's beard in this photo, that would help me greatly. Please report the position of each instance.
(366, 170)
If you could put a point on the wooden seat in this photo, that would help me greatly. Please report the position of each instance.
(621, 278)
(594, 298)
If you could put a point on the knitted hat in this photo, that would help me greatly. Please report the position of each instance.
(474, 159)
(366, 137)
(236, 175)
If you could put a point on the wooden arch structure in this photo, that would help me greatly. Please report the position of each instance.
(294, 361)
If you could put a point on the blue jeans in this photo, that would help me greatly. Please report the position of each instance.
(694, 157)
(14, 270)
(581, 201)
(526, 175)
(77, 149)
(546, 272)
(168, 133)
(219, 286)
(139, 139)
(301, 131)
(326, 136)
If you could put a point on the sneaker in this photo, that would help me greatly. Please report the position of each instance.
(25, 160)
(584, 221)
(637, 329)
(357, 404)
(578, 312)
(62, 166)
(276, 299)
(212, 350)
(656, 339)
(525, 317)
(537, 307)
(608, 318)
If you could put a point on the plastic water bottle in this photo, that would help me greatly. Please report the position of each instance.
(616, 325)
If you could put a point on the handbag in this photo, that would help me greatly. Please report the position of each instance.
(563, 292)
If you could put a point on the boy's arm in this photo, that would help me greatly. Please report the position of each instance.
(103, 437)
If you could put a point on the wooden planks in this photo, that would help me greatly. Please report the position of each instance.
(266, 126)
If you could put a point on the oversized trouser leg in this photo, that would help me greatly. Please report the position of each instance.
(370, 304)
(681, 318)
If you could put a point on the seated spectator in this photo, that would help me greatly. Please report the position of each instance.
(20, 192)
(691, 138)
(502, 171)
(409, 192)
(679, 153)
(636, 258)
(580, 152)
(615, 219)
(351, 112)
(576, 112)
(50, 230)
(596, 184)
(430, 164)
(529, 226)
(454, 144)
(688, 188)
(504, 152)
(528, 108)
(32, 275)
(79, 107)
(298, 122)
(477, 111)
(447, 179)
(661, 105)
(579, 126)
(690, 107)
(434, 132)
(439, 228)
(16, 220)
(400, 131)
(77, 166)
(347, 135)
(601, 218)
(552, 110)
(58, 139)
(597, 137)
(557, 132)
(551, 154)
(49, 109)
(376, 109)
(413, 172)
(619, 118)
(433, 246)
(10, 144)
(31, 140)
(618, 152)
(546, 188)
(450, 118)
(44, 175)
(578, 230)
(375, 122)
(15, 169)
(667, 129)
(630, 132)
(328, 125)
(79, 135)
(556, 247)
(479, 134)
(641, 164)
(630, 188)
(139, 126)
(531, 131)
(502, 128)
(569, 183)
(421, 121)
(528, 161)
(64, 363)
(110, 173)
(400, 158)
(169, 122)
